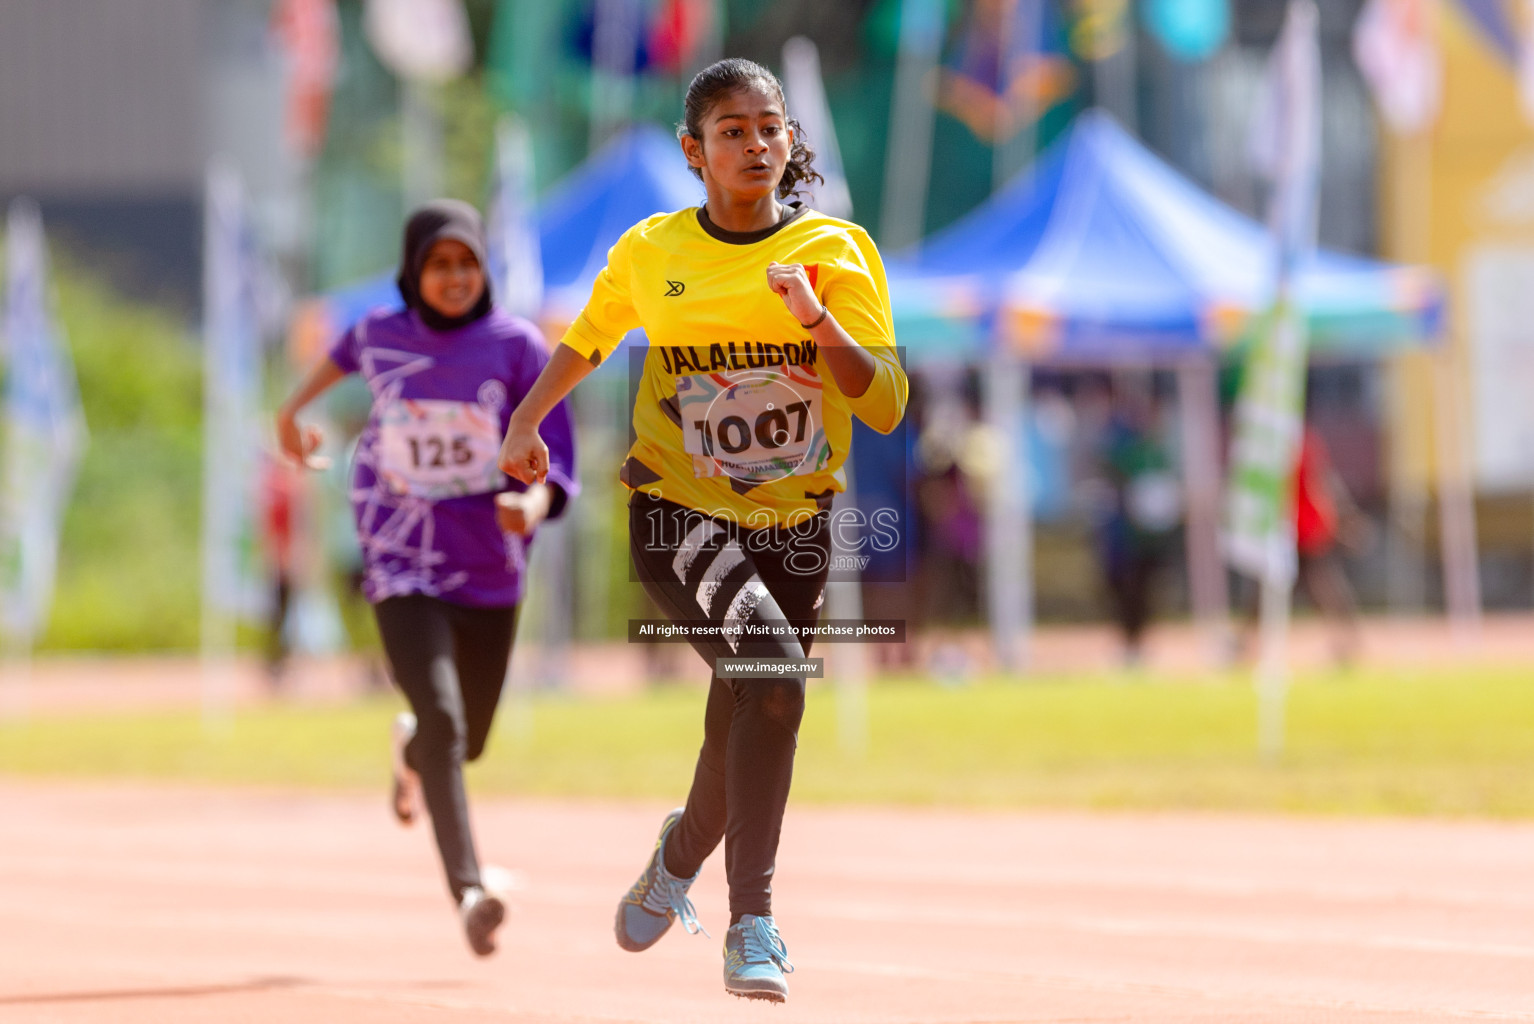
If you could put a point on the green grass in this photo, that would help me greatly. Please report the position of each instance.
(1430, 743)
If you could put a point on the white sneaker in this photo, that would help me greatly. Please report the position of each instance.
(407, 783)
(482, 914)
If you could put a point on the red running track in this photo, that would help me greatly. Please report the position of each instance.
(131, 903)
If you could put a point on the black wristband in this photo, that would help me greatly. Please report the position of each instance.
(824, 312)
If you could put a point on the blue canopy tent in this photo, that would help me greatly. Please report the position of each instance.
(640, 173)
(1103, 253)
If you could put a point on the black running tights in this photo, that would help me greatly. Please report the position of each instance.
(450, 660)
(699, 569)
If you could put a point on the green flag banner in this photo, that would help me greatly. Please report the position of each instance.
(1259, 537)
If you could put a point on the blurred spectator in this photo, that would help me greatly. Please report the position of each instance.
(1136, 532)
(953, 530)
(280, 488)
(1326, 523)
(950, 527)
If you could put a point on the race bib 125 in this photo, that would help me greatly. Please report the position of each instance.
(438, 449)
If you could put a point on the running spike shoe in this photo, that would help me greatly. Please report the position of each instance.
(646, 911)
(755, 960)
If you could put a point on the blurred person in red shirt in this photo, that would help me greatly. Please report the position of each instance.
(1326, 523)
(1325, 520)
(280, 493)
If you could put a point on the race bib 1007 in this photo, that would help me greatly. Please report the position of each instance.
(754, 426)
(437, 449)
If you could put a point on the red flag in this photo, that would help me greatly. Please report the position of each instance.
(677, 33)
(311, 39)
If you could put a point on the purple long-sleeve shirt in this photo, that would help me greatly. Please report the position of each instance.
(424, 479)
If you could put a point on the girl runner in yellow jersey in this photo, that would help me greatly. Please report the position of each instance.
(769, 328)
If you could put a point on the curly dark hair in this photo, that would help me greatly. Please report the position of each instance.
(729, 75)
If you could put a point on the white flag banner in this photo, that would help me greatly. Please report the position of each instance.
(1269, 412)
(1285, 142)
(1526, 61)
(807, 104)
(516, 257)
(1260, 536)
(1395, 44)
(231, 399)
(420, 40)
(44, 432)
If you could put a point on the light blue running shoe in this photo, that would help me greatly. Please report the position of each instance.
(755, 960)
(657, 899)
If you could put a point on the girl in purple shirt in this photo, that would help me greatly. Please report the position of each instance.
(444, 533)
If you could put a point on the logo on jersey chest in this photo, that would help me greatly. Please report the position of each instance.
(742, 355)
(675, 288)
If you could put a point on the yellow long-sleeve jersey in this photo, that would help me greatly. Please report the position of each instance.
(737, 414)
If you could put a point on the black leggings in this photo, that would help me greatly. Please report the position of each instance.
(450, 660)
(699, 569)
(1131, 583)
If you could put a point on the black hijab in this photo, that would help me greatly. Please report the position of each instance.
(439, 219)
